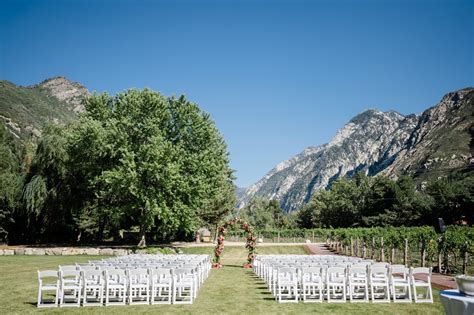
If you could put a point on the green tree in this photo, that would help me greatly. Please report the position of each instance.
(138, 159)
(263, 214)
(11, 179)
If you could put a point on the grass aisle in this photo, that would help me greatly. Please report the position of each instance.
(231, 290)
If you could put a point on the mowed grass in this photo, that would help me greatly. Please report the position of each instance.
(230, 290)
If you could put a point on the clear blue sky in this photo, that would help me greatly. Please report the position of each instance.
(276, 76)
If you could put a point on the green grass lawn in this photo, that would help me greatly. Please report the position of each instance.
(230, 290)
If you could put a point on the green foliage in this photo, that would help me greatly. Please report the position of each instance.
(11, 179)
(379, 201)
(263, 214)
(31, 108)
(136, 160)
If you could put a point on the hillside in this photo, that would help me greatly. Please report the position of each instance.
(435, 143)
(25, 110)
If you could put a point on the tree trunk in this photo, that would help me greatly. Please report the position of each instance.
(423, 254)
(142, 236)
(352, 247)
(364, 250)
(392, 259)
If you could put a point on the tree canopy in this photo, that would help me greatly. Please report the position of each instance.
(364, 201)
(138, 161)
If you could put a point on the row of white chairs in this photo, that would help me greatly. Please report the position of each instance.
(144, 279)
(291, 278)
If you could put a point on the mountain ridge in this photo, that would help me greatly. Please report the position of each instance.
(26, 109)
(373, 141)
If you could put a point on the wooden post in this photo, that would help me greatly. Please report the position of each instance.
(364, 250)
(352, 247)
(423, 254)
(465, 259)
(372, 250)
(278, 237)
(382, 250)
(405, 253)
(440, 262)
(392, 259)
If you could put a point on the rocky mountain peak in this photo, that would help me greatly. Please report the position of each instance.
(376, 142)
(65, 90)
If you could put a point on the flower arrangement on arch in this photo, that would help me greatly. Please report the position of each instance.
(251, 244)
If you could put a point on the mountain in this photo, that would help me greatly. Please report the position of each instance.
(376, 142)
(25, 110)
(443, 139)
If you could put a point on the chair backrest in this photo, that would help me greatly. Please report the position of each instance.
(47, 274)
(91, 273)
(291, 270)
(399, 270)
(379, 264)
(69, 273)
(182, 271)
(421, 271)
(336, 271)
(364, 264)
(68, 268)
(114, 272)
(311, 270)
(88, 268)
(357, 270)
(378, 271)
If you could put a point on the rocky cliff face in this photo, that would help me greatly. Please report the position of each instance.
(374, 142)
(25, 110)
(442, 140)
(65, 90)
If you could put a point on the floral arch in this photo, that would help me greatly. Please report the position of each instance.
(251, 244)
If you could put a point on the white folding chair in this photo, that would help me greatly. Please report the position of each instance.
(358, 284)
(93, 284)
(53, 284)
(138, 286)
(417, 281)
(161, 286)
(312, 284)
(115, 287)
(336, 284)
(287, 285)
(400, 283)
(183, 286)
(379, 286)
(70, 288)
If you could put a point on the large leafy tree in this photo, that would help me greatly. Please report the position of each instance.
(262, 213)
(138, 159)
(11, 180)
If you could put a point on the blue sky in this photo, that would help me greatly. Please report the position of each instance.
(276, 76)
